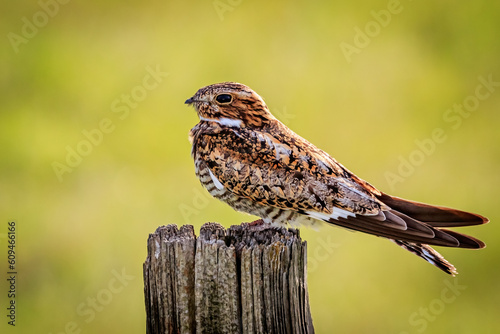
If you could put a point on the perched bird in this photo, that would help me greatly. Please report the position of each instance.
(248, 159)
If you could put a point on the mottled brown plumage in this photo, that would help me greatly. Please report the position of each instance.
(247, 158)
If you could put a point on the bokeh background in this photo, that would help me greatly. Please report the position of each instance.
(69, 69)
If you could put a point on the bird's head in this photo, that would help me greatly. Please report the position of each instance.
(230, 103)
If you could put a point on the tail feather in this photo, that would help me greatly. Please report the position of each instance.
(414, 226)
(416, 232)
(427, 253)
(436, 216)
(466, 241)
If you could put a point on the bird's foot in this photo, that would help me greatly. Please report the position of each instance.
(258, 225)
(257, 222)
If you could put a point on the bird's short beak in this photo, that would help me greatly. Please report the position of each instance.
(189, 101)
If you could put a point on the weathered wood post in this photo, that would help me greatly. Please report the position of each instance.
(248, 279)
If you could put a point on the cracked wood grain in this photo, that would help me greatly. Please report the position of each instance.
(246, 279)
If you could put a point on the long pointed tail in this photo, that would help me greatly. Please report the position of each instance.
(414, 226)
(436, 216)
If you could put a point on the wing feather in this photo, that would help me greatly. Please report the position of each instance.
(284, 173)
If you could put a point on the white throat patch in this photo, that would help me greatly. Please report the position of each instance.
(236, 123)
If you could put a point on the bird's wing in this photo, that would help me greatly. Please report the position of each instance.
(290, 173)
(283, 174)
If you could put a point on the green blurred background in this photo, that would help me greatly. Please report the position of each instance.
(66, 74)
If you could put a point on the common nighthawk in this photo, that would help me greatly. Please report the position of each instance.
(247, 158)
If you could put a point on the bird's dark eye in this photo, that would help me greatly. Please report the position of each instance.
(224, 98)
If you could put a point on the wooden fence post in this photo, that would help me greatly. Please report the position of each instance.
(248, 279)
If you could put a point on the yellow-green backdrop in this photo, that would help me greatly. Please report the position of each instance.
(94, 150)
